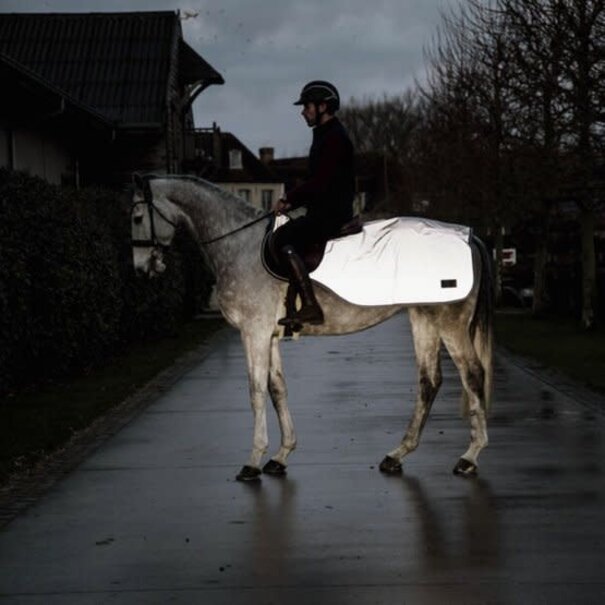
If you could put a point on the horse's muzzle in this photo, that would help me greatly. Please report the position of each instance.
(148, 262)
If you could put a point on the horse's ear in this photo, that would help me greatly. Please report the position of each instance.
(138, 181)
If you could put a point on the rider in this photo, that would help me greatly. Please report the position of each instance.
(327, 194)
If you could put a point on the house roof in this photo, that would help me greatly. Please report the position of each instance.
(116, 63)
(51, 102)
(292, 171)
(252, 171)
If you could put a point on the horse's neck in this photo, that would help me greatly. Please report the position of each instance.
(210, 214)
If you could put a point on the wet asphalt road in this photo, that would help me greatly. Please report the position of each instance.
(155, 515)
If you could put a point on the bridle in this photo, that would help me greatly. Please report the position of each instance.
(154, 242)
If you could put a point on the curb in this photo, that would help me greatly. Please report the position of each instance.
(575, 390)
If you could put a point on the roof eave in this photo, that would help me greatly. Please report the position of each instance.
(194, 69)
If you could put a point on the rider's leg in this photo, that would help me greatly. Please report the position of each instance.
(310, 311)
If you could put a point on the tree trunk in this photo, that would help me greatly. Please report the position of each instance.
(498, 247)
(589, 273)
(540, 299)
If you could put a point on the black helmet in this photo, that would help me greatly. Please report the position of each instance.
(319, 91)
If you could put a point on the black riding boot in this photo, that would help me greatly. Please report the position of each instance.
(310, 312)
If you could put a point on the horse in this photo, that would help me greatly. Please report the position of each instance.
(230, 233)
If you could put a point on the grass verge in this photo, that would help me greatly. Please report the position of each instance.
(557, 343)
(37, 422)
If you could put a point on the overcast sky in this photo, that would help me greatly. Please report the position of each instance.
(267, 49)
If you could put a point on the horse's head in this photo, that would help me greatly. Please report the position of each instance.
(153, 225)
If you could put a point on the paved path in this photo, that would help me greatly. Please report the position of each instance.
(155, 516)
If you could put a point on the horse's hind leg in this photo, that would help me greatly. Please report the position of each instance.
(426, 344)
(279, 397)
(460, 347)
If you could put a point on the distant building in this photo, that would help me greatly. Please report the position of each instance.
(94, 97)
(223, 159)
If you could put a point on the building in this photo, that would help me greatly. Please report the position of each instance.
(131, 74)
(223, 159)
(45, 131)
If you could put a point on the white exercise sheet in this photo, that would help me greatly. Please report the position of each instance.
(404, 260)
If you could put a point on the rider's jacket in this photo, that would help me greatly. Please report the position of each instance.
(329, 191)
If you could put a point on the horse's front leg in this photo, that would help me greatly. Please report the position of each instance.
(279, 397)
(426, 344)
(257, 349)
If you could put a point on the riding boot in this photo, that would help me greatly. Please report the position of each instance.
(310, 311)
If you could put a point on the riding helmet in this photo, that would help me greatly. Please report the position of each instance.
(319, 91)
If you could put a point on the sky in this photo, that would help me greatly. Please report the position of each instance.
(266, 50)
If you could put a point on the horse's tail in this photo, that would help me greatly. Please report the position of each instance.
(481, 327)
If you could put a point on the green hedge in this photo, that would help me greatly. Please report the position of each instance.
(69, 297)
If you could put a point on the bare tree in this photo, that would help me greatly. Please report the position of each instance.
(468, 86)
(582, 86)
(385, 128)
(536, 46)
(558, 65)
(526, 77)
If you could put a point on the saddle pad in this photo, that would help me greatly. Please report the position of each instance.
(399, 261)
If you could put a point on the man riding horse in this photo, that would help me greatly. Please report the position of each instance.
(327, 195)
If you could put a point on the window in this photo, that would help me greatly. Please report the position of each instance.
(267, 199)
(235, 159)
(244, 194)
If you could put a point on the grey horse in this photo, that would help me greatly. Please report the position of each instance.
(230, 233)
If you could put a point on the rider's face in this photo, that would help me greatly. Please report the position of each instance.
(309, 113)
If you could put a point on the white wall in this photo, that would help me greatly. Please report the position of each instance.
(256, 191)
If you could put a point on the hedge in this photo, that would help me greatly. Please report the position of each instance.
(69, 297)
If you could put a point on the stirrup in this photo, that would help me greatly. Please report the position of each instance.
(290, 322)
(309, 315)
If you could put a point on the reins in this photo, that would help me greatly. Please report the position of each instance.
(256, 220)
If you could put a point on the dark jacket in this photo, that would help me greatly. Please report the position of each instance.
(328, 193)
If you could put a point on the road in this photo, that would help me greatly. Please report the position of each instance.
(155, 516)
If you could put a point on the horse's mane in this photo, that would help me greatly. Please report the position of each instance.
(229, 197)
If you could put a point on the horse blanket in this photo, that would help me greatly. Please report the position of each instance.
(404, 260)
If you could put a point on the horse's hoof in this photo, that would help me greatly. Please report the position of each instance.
(390, 466)
(464, 468)
(277, 469)
(248, 473)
